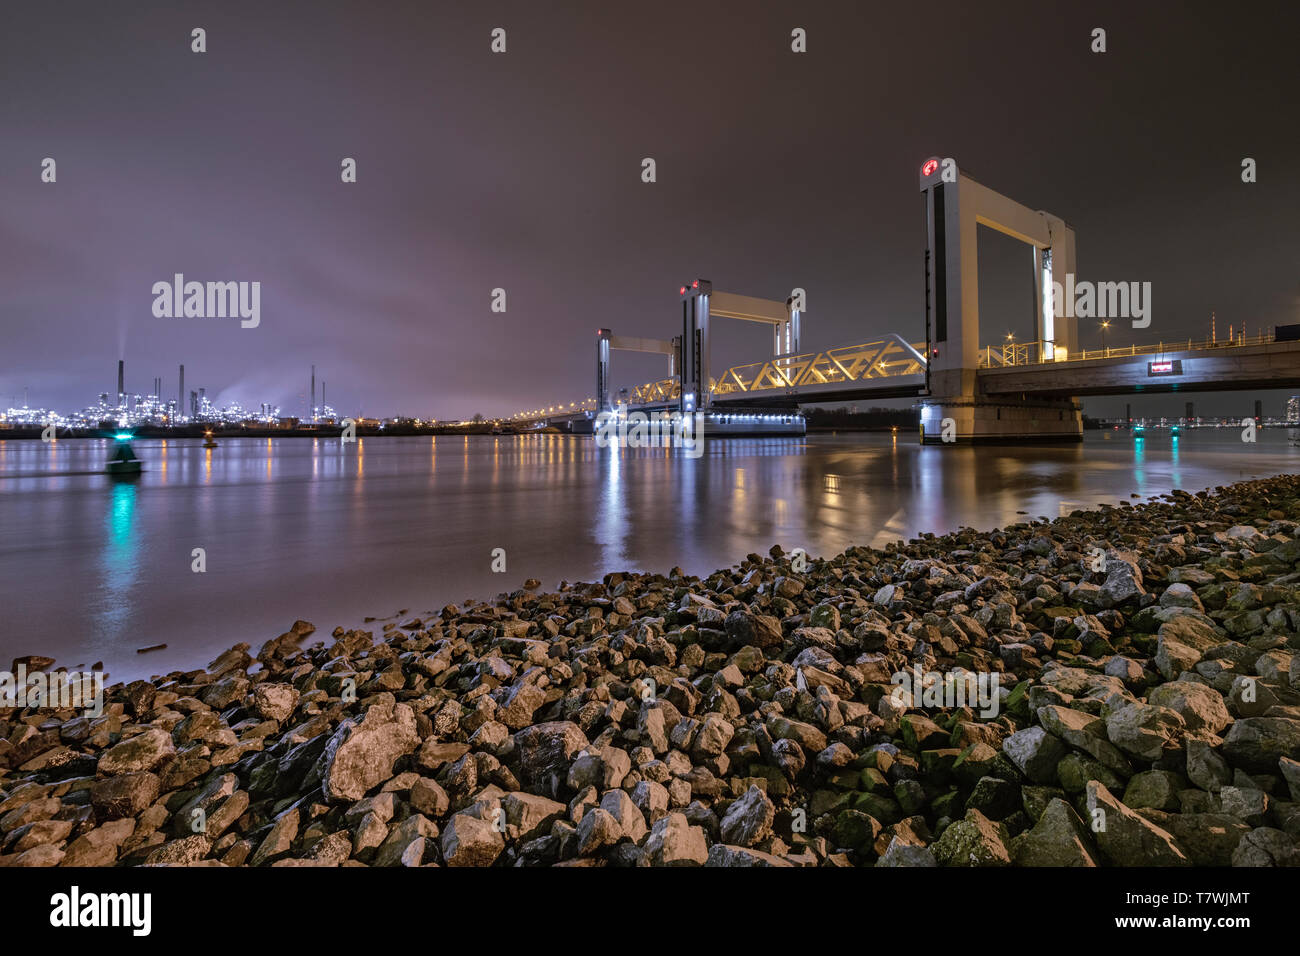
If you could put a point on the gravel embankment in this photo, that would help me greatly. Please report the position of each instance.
(1148, 714)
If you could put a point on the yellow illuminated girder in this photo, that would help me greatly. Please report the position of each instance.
(664, 390)
(848, 363)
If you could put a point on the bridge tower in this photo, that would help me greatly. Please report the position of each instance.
(955, 206)
(694, 368)
(700, 303)
(607, 342)
(602, 370)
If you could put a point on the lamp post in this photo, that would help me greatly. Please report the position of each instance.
(1104, 327)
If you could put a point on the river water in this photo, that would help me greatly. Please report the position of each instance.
(92, 570)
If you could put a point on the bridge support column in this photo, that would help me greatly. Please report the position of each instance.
(694, 369)
(999, 419)
(602, 370)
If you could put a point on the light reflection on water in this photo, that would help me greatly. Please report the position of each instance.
(91, 569)
(119, 561)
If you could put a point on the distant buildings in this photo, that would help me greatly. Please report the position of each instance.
(134, 411)
(1293, 408)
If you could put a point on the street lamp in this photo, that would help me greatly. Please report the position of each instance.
(1104, 327)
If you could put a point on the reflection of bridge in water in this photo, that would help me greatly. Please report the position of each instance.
(966, 392)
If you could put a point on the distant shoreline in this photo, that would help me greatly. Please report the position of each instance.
(28, 432)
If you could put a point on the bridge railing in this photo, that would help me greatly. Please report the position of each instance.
(849, 363)
(1034, 353)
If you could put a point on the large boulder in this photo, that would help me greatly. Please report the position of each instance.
(1035, 753)
(469, 841)
(748, 821)
(1126, 838)
(1059, 838)
(1257, 743)
(361, 754)
(545, 752)
(1201, 707)
(974, 840)
(1143, 730)
(275, 701)
(138, 754)
(674, 842)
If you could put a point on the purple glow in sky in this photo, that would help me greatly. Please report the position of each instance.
(521, 171)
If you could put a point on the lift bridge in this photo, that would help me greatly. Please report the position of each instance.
(967, 391)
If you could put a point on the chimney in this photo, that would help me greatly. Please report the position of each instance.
(180, 401)
(121, 379)
(312, 409)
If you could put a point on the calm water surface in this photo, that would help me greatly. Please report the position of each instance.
(92, 570)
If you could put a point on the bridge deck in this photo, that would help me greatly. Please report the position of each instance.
(892, 368)
(1261, 363)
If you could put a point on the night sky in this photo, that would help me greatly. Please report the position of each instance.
(522, 171)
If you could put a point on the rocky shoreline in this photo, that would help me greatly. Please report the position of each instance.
(1147, 663)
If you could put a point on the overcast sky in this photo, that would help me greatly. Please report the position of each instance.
(522, 171)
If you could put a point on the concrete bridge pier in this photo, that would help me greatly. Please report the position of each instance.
(999, 419)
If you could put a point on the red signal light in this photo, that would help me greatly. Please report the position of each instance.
(695, 284)
(930, 166)
(683, 290)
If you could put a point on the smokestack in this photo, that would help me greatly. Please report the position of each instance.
(180, 401)
(312, 409)
(1259, 410)
(1128, 413)
(1189, 416)
(121, 379)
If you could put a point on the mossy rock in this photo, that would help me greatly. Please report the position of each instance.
(1018, 700)
(871, 780)
(855, 829)
(1100, 647)
(883, 808)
